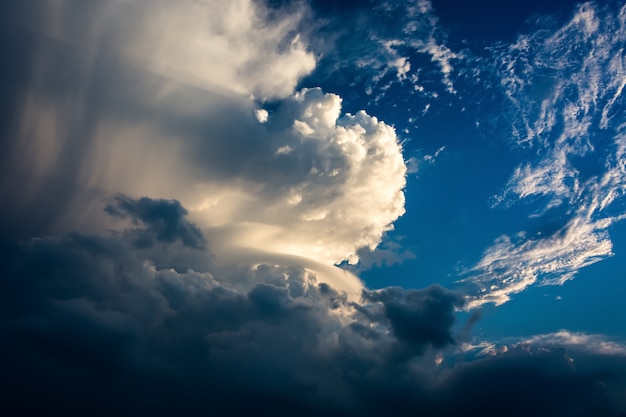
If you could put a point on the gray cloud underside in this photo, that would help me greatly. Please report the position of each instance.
(102, 325)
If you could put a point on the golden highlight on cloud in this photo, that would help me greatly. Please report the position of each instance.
(236, 46)
(164, 102)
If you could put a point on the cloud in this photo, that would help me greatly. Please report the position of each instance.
(574, 342)
(116, 89)
(336, 167)
(510, 266)
(591, 343)
(207, 285)
(416, 316)
(139, 333)
(104, 112)
(164, 220)
(431, 40)
(560, 102)
(238, 46)
(538, 382)
(417, 164)
(387, 45)
(389, 252)
(100, 308)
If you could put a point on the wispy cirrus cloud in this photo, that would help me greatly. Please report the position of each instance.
(591, 343)
(561, 104)
(395, 44)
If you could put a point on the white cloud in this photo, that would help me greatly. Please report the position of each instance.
(415, 164)
(563, 85)
(590, 343)
(402, 32)
(432, 158)
(426, 36)
(442, 56)
(212, 44)
(553, 178)
(348, 188)
(576, 342)
(482, 348)
(161, 102)
(509, 266)
(401, 64)
(261, 115)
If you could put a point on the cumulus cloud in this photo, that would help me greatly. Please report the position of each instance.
(345, 178)
(416, 317)
(116, 89)
(108, 309)
(140, 101)
(561, 105)
(96, 324)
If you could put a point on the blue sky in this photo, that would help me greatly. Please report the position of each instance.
(451, 217)
(313, 208)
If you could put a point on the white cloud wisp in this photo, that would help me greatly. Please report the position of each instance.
(563, 86)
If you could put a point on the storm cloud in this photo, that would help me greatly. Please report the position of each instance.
(91, 326)
(176, 200)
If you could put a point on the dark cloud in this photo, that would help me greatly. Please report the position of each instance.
(95, 325)
(541, 383)
(164, 220)
(417, 318)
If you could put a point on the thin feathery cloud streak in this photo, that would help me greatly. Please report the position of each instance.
(560, 101)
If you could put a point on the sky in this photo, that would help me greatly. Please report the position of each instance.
(309, 207)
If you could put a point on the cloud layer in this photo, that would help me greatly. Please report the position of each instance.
(114, 324)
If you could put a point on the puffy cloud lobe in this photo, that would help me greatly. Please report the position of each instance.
(92, 325)
(164, 220)
(417, 316)
(323, 184)
(347, 189)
